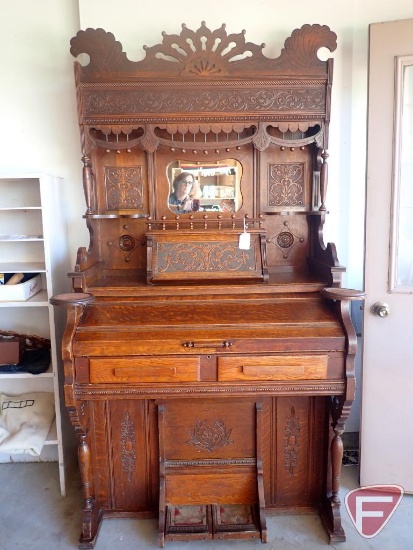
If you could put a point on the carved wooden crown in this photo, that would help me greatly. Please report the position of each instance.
(205, 54)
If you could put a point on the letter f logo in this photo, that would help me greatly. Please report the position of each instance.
(370, 508)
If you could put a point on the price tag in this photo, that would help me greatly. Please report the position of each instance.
(244, 239)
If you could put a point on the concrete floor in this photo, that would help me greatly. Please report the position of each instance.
(33, 516)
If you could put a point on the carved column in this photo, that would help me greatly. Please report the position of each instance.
(88, 185)
(323, 179)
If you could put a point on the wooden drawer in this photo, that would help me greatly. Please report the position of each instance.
(145, 369)
(281, 367)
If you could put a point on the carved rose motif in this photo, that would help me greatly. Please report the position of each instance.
(209, 437)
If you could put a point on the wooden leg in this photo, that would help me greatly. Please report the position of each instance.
(330, 512)
(336, 461)
(260, 480)
(92, 518)
(162, 487)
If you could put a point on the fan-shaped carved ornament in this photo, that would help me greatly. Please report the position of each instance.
(205, 54)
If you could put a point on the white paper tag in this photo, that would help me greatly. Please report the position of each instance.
(244, 241)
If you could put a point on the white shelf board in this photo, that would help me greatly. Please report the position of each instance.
(38, 300)
(13, 375)
(7, 208)
(22, 267)
(20, 238)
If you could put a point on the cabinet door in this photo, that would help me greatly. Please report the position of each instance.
(295, 465)
(122, 436)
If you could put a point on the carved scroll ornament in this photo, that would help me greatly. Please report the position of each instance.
(204, 53)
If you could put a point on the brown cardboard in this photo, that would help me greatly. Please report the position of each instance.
(11, 350)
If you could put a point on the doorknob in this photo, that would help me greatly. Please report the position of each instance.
(381, 309)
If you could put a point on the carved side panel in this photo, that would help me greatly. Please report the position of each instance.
(286, 177)
(96, 413)
(286, 185)
(124, 188)
(287, 240)
(300, 451)
(292, 441)
(131, 452)
(121, 180)
(128, 446)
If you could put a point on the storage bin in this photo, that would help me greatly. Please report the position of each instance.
(22, 291)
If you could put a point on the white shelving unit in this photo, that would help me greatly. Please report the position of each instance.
(33, 239)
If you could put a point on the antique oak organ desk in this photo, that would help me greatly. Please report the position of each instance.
(209, 350)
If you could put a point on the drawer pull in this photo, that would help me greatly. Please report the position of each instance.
(272, 368)
(268, 370)
(153, 370)
(208, 344)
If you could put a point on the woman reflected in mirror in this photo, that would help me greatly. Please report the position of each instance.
(185, 194)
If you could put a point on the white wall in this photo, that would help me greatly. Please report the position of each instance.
(39, 131)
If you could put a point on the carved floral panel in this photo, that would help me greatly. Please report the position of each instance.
(291, 441)
(286, 184)
(124, 188)
(125, 102)
(204, 257)
(128, 446)
(210, 436)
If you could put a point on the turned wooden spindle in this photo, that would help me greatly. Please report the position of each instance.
(323, 180)
(85, 473)
(336, 461)
(88, 187)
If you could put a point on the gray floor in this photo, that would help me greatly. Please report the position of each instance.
(33, 516)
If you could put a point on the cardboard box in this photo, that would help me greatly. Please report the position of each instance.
(11, 350)
(22, 291)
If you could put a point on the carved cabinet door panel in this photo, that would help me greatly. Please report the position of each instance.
(208, 428)
(125, 447)
(298, 454)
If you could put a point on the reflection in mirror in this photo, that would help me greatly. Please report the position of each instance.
(205, 186)
(402, 237)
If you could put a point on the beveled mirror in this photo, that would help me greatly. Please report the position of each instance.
(204, 186)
